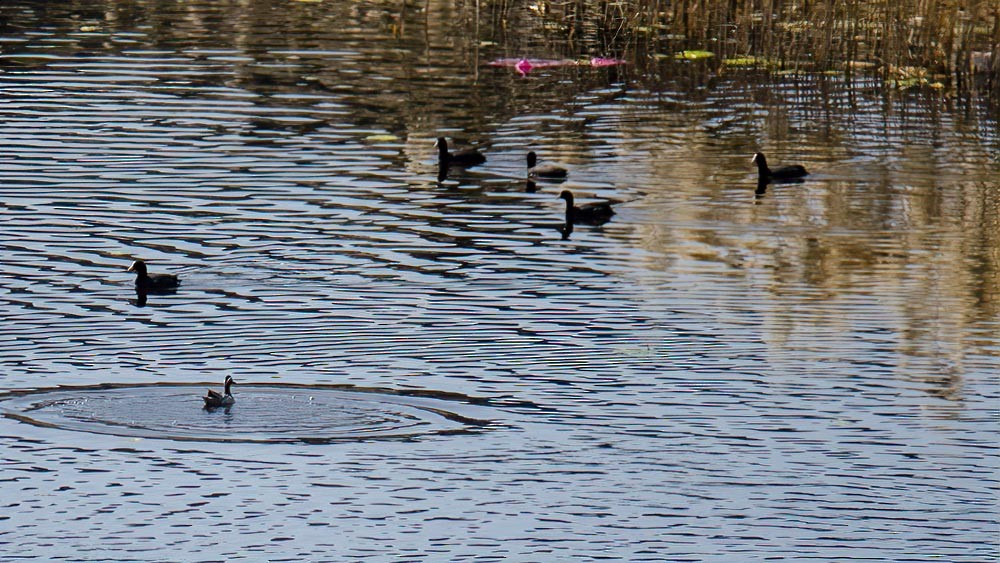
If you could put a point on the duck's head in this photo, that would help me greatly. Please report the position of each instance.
(137, 266)
(567, 195)
(758, 159)
(441, 144)
(229, 383)
(532, 159)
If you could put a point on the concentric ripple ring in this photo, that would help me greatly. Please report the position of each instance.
(263, 413)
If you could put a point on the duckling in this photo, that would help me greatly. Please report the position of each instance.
(546, 171)
(464, 158)
(215, 399)
(156, 283)
(591, 214)
(785, 173)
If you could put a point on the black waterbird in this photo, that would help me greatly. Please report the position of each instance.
(784, 174)
(215, 399)
(590, 214)
(463, 158)
(155, 283)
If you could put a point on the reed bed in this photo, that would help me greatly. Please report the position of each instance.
(953, 44)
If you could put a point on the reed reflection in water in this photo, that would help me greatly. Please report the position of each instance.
(720, 372)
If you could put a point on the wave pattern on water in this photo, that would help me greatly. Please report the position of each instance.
(806, 373)
(270, 414)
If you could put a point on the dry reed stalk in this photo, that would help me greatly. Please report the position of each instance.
(909, 41)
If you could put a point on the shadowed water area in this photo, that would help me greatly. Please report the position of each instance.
(436, 370)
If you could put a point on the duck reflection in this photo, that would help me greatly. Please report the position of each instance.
(761, 189)
(530, 187)
(565, 229)
(140, 298)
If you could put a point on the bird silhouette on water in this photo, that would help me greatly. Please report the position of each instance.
(146, 283)
(590, 214)
(792, 173)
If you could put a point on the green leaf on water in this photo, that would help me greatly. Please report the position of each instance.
(381, 138)
(694, 55)
(745, 61)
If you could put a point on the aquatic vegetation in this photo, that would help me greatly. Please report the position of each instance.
(524, 66)
(747, 61)
(956, 40)
(694, 55)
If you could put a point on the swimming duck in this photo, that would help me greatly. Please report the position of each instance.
(765, 174)
(592, 214)
(215, 399)
(544, 171)
(464, 158)
(145, 283)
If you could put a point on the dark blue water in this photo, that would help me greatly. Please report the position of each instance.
(807, 373)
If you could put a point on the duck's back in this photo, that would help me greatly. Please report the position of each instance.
(593, 213)
(547, 171)
(792, 171)
(158, 282)
(599, 209)
(467, 157)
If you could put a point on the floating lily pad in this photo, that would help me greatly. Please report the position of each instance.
(381, 138)
(746, 61)
(694, 55)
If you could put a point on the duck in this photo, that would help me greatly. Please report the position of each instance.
(549, 171)
(215, 399)
(146, 283)
(593, 213)
(464, 157)
(765, 174)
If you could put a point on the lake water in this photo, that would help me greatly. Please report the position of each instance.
(808, 373)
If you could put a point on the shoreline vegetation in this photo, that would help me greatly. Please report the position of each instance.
(953, 45)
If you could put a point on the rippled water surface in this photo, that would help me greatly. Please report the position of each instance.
(269, 414)
(806, 373)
